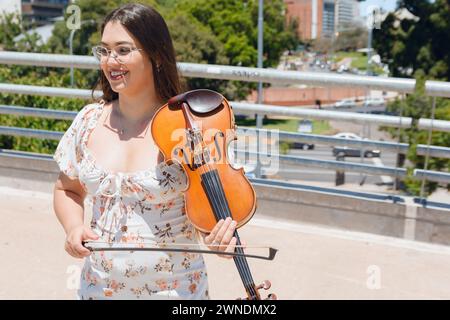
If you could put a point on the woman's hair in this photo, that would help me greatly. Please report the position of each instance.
(150, 29)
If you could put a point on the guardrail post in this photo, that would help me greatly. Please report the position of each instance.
(340, 174)
(398, 184)
(427, 156)
(400, 157)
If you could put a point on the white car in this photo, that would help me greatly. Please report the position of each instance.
(374, 102)
(351, 152)
(342, 68)
(347, 135)
(345, 103)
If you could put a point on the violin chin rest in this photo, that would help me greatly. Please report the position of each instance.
(200, 100)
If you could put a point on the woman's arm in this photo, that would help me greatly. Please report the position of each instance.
(68, 204)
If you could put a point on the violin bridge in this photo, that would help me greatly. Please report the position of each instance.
(206, 155)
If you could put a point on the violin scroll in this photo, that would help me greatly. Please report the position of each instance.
(266, 286)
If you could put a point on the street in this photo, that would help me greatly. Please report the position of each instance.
(294, 172)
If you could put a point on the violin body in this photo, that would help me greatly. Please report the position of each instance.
(218, 131)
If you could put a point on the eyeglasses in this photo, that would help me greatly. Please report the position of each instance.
(122, 53)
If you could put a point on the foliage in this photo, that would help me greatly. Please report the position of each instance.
(417, 106)
(351, 38)
(419, 46)
(233, 23)
(201, 34)
(419, 43)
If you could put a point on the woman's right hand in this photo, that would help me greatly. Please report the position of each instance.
(74, 241)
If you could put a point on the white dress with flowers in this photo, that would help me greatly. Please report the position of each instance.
(132, 209)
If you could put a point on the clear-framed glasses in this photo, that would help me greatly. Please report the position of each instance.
(122, 53)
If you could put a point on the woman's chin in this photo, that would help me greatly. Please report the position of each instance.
(118, 87)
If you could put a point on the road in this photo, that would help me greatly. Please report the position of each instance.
(313, 262)
(294, 172)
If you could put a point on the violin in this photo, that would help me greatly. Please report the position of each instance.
(195, 129)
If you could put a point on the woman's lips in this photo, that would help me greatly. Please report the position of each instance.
(117, 75)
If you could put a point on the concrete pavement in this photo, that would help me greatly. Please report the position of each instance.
(312, 263)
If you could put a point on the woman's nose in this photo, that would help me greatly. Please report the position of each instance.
(111, 60)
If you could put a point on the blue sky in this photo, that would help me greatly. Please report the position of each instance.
(387, 5)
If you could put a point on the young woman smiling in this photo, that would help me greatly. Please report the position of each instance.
(108, 153)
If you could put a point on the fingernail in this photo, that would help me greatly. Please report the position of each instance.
(233, 223)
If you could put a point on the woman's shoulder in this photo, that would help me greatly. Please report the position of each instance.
(87, 112)
(91, 107)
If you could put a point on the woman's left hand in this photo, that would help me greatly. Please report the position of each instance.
(221, 237)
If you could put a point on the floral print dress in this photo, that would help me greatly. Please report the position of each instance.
(130, 209)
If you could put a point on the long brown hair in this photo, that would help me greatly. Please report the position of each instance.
(150, 29)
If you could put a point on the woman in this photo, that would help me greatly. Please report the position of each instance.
(108, 153)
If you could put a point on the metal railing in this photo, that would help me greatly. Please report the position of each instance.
(333, 141)
(327, 164)
(282, 135)
(404, 85)
(432, 88)
(250, 108)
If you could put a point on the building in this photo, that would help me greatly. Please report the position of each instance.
(302, 11)
(40, 12)
(347, 13)
(307, 16)
(321, 18)
(328, 18)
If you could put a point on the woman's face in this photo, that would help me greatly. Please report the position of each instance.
(129, 73)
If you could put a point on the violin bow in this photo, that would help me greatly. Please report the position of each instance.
(107, 246)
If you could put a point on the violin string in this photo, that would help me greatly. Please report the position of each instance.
(225, 204)
(214, 198)
(209, 183)
(243, 268)
(240, 260)
(216, 186)
(241, 264)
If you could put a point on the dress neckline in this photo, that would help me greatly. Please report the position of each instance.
(91, 125)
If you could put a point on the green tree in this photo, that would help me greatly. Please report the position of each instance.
(10, 27)
(234, 22)
(230, 38)
(351, 38)
(419, 43)
(214, 32)
(417, 106)
(418, 46)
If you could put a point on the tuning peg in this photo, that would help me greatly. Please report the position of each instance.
(264, 285)
(272, 296)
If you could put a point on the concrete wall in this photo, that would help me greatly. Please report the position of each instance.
(289, 202)
(306, 96)
(402, 219)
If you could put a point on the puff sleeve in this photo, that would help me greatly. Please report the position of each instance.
(68, 152)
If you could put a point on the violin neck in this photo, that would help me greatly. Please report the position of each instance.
(216, 196)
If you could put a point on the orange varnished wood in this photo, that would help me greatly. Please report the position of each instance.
(168, 126)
